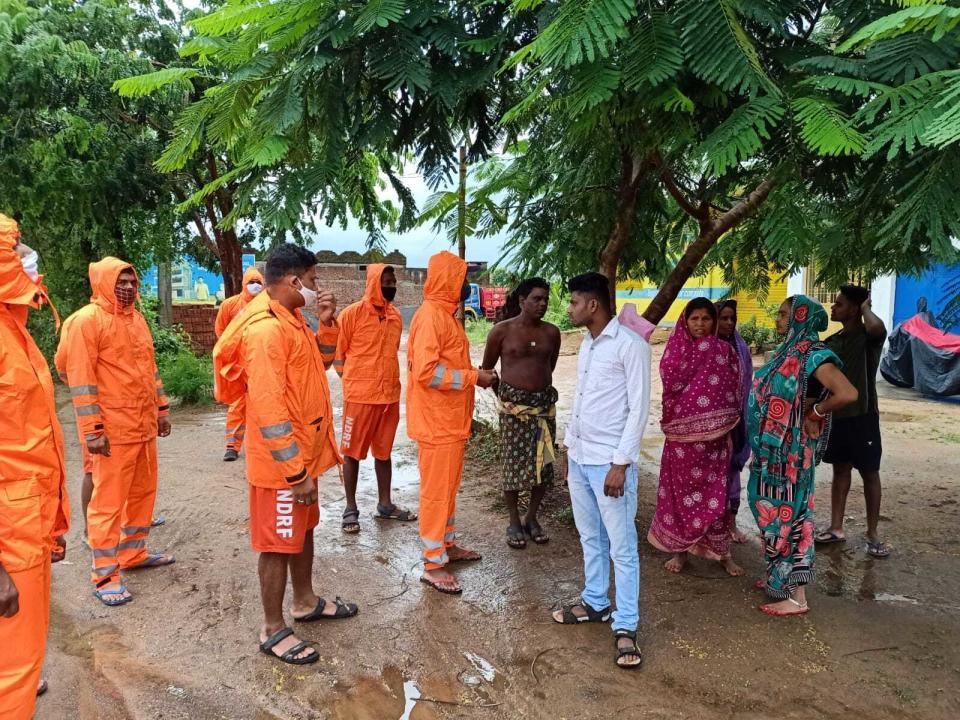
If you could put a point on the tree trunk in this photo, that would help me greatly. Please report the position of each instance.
(231, 262)
(462, 219)
(627, 190)
(712, 228)
(165, 293)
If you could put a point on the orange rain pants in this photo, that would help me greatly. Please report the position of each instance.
(20, 668)
(441, 467)
(121, 508)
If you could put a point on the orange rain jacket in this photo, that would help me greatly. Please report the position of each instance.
(31, 441)
(367, 349)
(272, 355)
(232, 306)
(440, 380)
(106, 357)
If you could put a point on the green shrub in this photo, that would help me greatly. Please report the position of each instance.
(557, 309)
(187, 377)
(167, 341)
(755, 334)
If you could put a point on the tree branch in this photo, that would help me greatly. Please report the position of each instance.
(748, 206)
(198, 222)
(671, 185)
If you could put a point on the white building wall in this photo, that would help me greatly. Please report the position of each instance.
(883, 293)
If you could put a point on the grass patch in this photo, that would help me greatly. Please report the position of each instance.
(477, 331)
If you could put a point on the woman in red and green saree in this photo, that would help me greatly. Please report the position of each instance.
(788, 423)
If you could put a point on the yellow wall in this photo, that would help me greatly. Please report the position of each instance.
(712, 286)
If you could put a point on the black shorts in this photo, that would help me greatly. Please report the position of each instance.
(855, 441)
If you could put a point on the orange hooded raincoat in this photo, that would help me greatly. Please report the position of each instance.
(108, 360)
(367, 362)
(271, 355)
(230, 308)
(440, 388)
(33, 501)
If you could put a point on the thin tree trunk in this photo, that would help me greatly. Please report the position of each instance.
(628, 188)
(231, 261)
(462, 218)
(165, 293)
(712, 228)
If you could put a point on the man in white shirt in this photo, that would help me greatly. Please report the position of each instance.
(603, 446)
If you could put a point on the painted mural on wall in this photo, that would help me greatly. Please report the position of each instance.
(192, 283)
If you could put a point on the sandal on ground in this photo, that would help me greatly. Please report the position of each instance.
(290, 656)
(592, 616)
(828, 537)
(230, 455)
(351, 521)
(877, 549)
(158, 521)
(516, 538)
(458, 555)
(152, 561)
(440, 588)
(392, 512)
(113, 598)
(344, 610)
(42, 688)
(623, 652)
(536, 534)
(768, 609)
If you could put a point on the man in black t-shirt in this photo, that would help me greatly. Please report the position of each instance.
(855, 436)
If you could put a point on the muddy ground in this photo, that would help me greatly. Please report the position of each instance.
(881, 640)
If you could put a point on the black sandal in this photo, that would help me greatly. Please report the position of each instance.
(536, 534)
(392, 512)
(344, 610)
(592, 616)
(290, 656)
(351, 521)
(634, 650)
(516, 538)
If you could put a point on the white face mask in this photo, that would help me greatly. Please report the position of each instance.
(31, 265)
(309, 296)
(254, 288)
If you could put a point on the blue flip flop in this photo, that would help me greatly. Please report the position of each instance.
(158, 521)
(102, 596)
(155, 560)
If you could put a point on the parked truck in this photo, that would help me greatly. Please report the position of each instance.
(484, 301)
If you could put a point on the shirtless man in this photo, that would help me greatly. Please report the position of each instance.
(527, 348)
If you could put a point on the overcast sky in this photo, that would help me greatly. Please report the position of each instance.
(417, 244)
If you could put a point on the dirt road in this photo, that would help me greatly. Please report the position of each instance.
(880, 642)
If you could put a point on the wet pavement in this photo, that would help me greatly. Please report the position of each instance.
(880, 641)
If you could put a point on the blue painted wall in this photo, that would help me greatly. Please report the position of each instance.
(935, 285)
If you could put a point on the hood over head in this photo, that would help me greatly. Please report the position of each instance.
(16, 287)
(250, 275)
(446, 274)
(103, 281)
(374, 294)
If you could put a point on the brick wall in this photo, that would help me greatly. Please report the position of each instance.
(197, 321)
(348, 283)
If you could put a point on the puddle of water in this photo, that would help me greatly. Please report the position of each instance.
(487, 671)
(411, 693)
(891, 598)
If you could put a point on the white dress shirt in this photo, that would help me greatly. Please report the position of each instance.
(612, 398)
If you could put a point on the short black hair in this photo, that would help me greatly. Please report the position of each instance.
(701, 303)
(389, 269)
(287, 259)
(529, 285)
(595, 284)
(855, 294)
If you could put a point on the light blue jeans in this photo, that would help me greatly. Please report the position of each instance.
(607, 532)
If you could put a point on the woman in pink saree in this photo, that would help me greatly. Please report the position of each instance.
(702, 404)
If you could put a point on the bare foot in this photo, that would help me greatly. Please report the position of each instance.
(676, 563)
(459, 554)
(785, 608)
(441, 580)
(733, 570)
(287, 643)
(737, 536)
